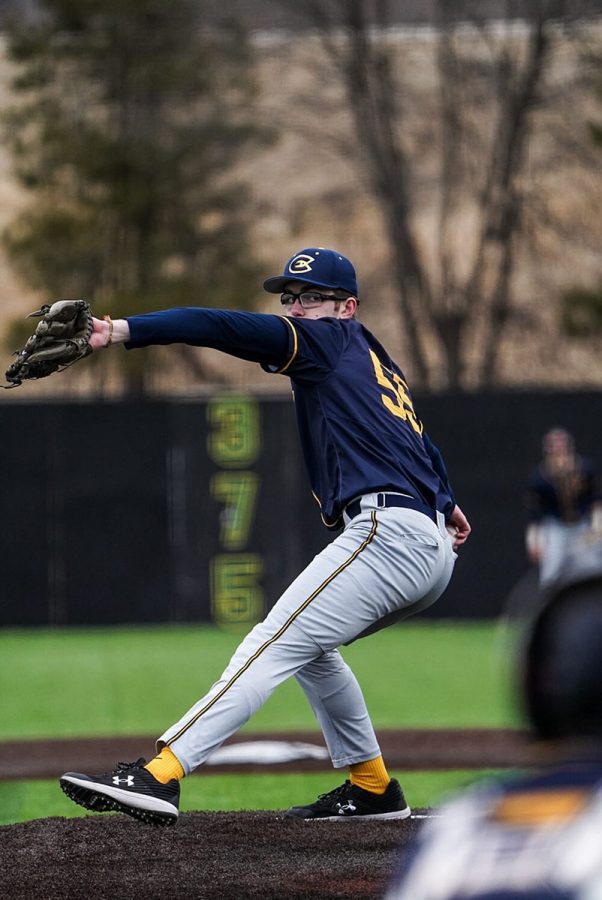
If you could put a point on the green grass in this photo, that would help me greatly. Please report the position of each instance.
(69, 682)
(127, 681)
(21, 801)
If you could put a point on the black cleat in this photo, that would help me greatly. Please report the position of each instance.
(129, 789)
(351, 802)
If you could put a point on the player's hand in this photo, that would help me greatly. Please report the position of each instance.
(105, 332)
(534, 543)
(462, 527)
(596, 524)
(100, 334)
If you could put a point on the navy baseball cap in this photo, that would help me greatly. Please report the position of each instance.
(319, 266)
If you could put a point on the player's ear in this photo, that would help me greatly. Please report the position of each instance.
(349, 308)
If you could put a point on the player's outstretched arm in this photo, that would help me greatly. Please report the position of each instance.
(108, 331)
(462, 526)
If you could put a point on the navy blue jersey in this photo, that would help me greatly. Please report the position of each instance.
(358, 427)
(568, 497)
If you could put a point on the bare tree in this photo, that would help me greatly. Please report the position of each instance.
(128, 121)
(456, 298)
(581, 306)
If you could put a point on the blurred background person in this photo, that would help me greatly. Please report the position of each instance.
(538, 834)
(563, 503)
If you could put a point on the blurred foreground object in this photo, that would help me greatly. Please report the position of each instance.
(539, 834)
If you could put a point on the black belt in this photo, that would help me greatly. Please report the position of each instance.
(385, 500)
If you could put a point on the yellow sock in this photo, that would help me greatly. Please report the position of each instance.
(370, 775)
(165, 766)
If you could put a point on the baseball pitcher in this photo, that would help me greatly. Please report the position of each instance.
(373, 471)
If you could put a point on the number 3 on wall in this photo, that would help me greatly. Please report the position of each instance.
(400, 403)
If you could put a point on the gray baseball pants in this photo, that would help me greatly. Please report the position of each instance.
(386, 564)
(559, 540)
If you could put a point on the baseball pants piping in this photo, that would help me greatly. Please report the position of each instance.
(386, 564)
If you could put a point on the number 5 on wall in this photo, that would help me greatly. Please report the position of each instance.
(236, 595)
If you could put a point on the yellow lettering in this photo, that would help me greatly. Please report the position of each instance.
(238, 492)
(236, 595)
(399, 404)
(235, 441)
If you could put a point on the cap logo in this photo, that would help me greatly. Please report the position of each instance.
(301, 264)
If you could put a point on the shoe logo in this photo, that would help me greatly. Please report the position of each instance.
(129, 780)
(348, 807)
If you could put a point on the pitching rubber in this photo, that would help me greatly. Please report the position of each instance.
(397, 814)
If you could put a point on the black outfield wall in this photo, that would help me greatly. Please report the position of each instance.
(193, 510)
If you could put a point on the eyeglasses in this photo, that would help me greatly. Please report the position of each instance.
(307, 299)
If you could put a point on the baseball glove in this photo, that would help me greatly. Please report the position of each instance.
(60, 339)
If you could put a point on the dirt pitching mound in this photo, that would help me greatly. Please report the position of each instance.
(229, 856)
